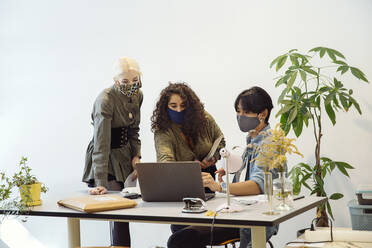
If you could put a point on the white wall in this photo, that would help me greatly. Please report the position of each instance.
(56, 56)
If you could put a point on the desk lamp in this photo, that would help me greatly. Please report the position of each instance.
(233, 162)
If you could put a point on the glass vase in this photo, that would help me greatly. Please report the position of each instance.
(283, 193)
(268, 187)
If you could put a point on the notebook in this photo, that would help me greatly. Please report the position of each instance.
(97, 203)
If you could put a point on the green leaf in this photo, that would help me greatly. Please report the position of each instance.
(294, 60)
(329, 210)
(358, 73)
(306, 166)
(283, 123)
(336, 196)
(292, 115)
(315, 49)
(341, 168)
(337, 83)
(292, 80)
(339, 62)
(330, 54)
(275, 60)
(331, 113)
(303, 75)
(344, 164)
(337, 53)
(281, 62)
(285, 109)
(344, 102)
(355, 103)
(322, 52)
(329, 97)
(309, 70)
(343, 69)
(282, 95)
(298, 125)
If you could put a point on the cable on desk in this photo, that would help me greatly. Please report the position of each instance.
(212, 226)
(313, 229)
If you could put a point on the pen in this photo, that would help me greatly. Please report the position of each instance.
(298, 197)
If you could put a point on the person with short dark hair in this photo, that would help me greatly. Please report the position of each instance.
(253, 107)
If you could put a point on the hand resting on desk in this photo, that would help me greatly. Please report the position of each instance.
(100, 190)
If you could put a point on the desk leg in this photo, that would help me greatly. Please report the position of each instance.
(73, 225)
(258, 236)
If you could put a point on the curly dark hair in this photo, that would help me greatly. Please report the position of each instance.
(195, 120)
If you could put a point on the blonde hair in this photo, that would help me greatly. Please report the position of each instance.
(124, 65)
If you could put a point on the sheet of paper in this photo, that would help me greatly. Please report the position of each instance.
(128, 182)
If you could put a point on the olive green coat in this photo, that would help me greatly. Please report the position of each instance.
(170, 146)
(112, 109)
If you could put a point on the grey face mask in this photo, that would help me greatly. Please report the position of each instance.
(247, 123)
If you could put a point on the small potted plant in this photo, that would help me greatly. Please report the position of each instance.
(29, 187)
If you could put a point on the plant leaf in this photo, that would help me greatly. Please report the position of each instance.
(341, 168)
(337, 53)
(309, 70)
(285, 109)
(358, 73)
(329, 210)
(355, 103)
(344, 102)
(292, 80)
(281, 62)
(292, 115)
(330, 54)
(345, 165)
(336, 196)
(315, 49)
(322, 52)
(330, 112)
(298, 125)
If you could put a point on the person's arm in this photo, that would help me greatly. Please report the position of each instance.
(102, 140)
(249, 187)
(135, 142)
(164, 147)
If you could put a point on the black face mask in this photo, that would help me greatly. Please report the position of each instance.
(247, 123)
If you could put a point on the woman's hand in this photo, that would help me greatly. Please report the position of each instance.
(135, 160)
(208, 181)
(221, 172)
(100, 190)
(206, 163)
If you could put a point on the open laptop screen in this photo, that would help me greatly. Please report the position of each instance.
(170, 181)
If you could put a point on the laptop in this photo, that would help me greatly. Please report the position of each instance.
(171, 181)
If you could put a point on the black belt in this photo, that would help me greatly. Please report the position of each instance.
(119, 137)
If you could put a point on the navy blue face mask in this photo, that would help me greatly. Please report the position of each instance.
(177, 117)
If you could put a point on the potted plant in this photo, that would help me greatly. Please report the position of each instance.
(29, 187)
(310, 90)
(9, 205)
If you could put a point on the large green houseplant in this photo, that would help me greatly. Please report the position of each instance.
(310, 89)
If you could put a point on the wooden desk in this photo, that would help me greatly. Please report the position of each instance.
(170, 213)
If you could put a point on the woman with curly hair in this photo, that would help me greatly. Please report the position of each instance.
(183, 130)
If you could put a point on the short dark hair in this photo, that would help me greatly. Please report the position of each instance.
(255, 100)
